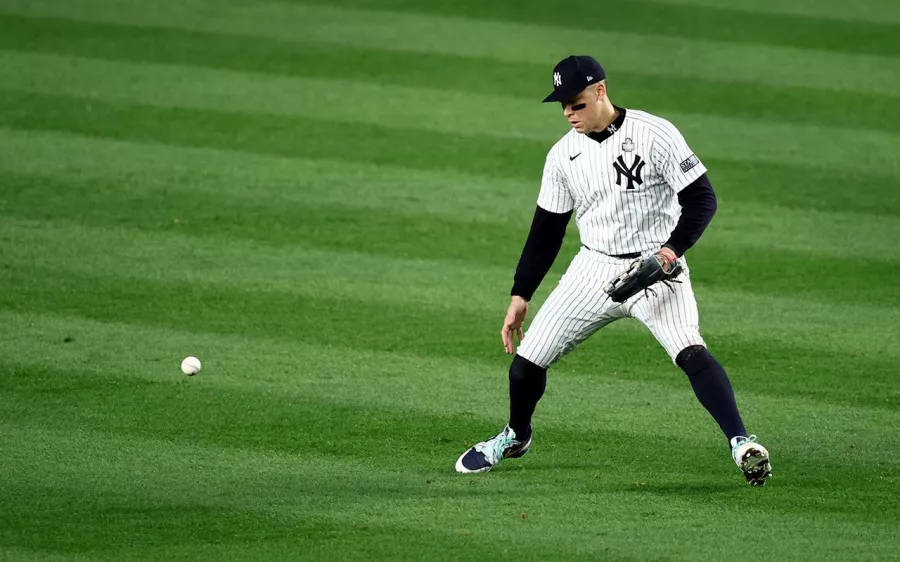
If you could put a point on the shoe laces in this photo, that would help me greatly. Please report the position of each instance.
(742, 440)
(493, 448)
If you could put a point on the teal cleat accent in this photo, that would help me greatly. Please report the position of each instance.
(487, 454)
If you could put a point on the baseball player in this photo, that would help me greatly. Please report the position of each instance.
(641, 199)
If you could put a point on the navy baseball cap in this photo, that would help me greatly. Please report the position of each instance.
(573, 74)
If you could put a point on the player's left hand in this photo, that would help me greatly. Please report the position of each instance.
(642, 273)
(669, 263)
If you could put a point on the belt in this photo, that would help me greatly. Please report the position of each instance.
(617, 256)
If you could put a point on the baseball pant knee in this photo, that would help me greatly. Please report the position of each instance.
(693, 359)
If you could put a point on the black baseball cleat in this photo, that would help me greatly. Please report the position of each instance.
(752, 458)
(487, 454)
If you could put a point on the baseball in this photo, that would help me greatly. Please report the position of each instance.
(190, 366)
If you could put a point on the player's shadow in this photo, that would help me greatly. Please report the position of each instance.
(585, 466)
(686, 489)
(594, 478)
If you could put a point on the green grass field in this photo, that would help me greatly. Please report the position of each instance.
(326, 203)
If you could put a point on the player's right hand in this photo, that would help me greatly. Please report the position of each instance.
(512, 326)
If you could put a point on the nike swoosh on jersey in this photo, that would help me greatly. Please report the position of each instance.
(574, 157)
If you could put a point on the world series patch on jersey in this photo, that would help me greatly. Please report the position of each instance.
(622, 183)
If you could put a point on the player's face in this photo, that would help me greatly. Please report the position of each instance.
(584, 109)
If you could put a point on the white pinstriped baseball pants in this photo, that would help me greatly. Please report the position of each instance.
(578, 307)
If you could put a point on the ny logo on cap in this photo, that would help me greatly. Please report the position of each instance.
(557, 79)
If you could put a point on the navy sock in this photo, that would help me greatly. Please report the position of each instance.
(527, 383)
(712, 387)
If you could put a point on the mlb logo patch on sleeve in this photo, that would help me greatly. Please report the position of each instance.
(689, 163)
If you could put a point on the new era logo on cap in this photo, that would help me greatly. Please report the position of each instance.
(573, 74)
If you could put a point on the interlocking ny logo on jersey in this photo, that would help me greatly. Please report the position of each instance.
(632, 174)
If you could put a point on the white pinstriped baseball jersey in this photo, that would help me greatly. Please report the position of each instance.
(623, 186)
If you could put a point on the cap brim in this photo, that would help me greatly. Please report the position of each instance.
(558, 96)
(565, 94)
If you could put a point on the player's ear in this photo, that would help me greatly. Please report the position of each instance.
(601, 90)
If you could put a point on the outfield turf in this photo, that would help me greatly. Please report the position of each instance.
(325, 204)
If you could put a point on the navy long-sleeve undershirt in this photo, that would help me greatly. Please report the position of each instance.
(698, 205)
(541, 248)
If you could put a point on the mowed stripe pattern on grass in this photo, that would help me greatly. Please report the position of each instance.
(326, 204)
